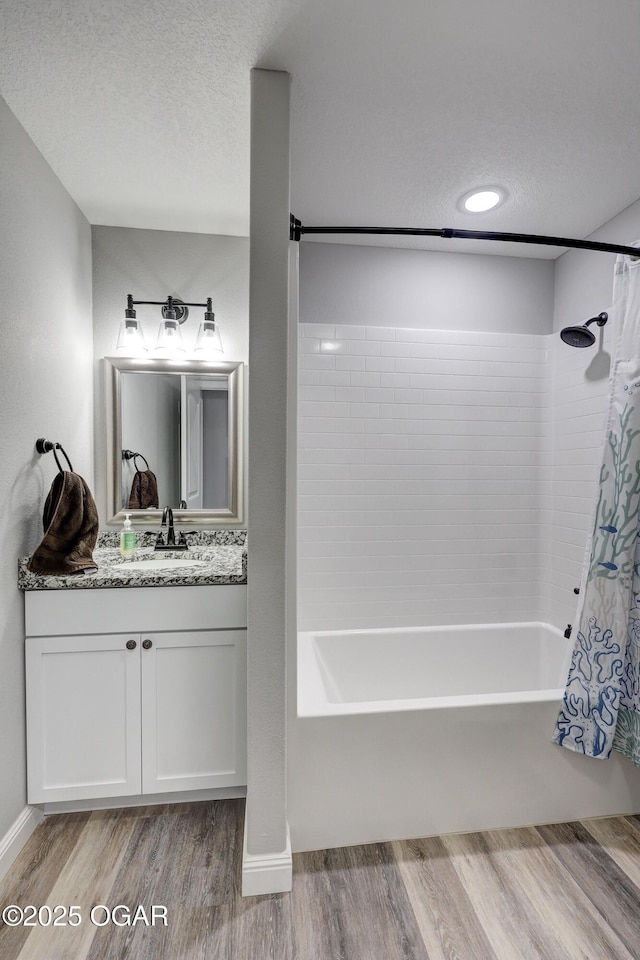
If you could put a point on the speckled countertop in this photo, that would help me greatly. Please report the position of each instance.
(213, 557)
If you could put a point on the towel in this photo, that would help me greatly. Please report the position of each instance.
(70, 528)
(144, 490)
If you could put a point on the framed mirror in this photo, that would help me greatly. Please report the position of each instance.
(174, 437)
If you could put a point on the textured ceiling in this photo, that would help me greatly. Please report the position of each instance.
(397, 108)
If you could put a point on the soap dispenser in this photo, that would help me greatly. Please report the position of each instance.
(127, 538)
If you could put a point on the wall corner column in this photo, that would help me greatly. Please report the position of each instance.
(267, 854)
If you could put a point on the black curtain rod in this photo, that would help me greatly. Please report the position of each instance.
(297, 231)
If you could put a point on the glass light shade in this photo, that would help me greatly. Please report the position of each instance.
(131, 338)
(170, 338)
(208, 341)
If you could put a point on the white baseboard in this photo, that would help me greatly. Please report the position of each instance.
(143, 800)
(16, 837)
(264, 873)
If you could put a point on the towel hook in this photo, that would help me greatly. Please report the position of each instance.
(46, 446)
(130, 455)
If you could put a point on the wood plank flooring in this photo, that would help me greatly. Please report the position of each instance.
(562, 892)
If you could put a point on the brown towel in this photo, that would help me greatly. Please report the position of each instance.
(70, 528)
(144, 491)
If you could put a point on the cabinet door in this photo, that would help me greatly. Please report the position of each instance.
(83, 717)
(193, 710)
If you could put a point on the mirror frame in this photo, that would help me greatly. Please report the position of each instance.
(114, 367)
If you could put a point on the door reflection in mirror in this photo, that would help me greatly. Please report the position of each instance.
(183, 422)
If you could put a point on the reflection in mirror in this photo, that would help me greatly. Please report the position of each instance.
(173, 437)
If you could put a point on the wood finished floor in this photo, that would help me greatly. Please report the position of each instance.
(564, 892)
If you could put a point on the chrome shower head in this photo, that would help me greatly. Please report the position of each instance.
(581, 336)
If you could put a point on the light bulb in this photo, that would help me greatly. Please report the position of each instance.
(130, 337)
(169, 338)
(481, 200)
(208, 342)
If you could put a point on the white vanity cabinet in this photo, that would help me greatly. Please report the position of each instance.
(156, 708)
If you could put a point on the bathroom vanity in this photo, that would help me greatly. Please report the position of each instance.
(136, 676)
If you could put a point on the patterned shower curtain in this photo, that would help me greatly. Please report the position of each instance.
(601, 707)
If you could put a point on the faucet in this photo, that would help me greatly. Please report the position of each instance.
(167, 519)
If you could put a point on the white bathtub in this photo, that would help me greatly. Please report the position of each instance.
(426, 668)
(413, 732)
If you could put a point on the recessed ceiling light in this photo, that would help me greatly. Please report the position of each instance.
(482, 199)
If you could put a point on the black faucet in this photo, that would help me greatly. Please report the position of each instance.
(167, 518)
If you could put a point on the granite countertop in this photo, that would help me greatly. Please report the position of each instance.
(213, 557)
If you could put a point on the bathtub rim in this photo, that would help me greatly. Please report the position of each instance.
(312, 702)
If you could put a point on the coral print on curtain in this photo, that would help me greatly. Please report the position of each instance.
(601, 706)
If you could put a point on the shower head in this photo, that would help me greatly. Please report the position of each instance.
(581, 336)
(578, 336)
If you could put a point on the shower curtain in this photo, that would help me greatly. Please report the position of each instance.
(601, 706)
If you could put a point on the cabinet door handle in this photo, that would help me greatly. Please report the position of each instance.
(147, 644)
(131, 644)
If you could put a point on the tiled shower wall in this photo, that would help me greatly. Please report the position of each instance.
(444, 477)
(578, 385)
(420, 469)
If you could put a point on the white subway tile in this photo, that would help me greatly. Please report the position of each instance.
(308, 378)
(409, 365)
(408, 396)
(308, 345)
(349, 363)
(400, 380)
(320, 471)
(384, 364)
(350, 394)
(380, 333)
(368, 348)
(365, 379)
(367, 410)
(397, 411)
(317, 393)
(336, 378)
(350, 332)
(312, 361)
(334, 347)
(379, 395)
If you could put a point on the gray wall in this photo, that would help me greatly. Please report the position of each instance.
(389, 287)
(46, 388)
(150, 264)
(584, 279)
(265, 818)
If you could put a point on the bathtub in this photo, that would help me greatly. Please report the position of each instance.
(421, 731)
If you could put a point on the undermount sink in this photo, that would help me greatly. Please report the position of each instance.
(160, 563)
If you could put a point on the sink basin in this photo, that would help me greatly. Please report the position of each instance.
(160, 563)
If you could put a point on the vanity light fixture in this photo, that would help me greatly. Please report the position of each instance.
(170, 341)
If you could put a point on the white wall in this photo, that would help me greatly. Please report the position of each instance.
(419, 458)
(46, 390)
(150, 264)
(391, 287)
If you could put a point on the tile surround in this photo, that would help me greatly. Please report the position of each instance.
(449, 480)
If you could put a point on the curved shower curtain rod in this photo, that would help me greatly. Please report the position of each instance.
(297, 230)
